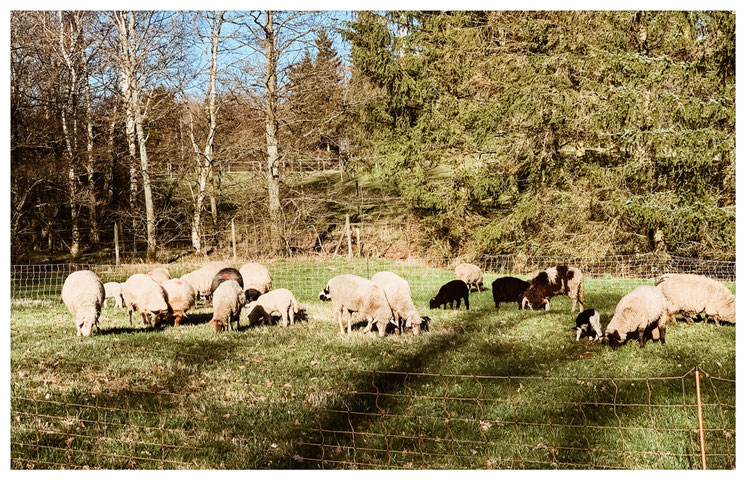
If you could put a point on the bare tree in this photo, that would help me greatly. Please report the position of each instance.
(277, 40)
(204, 156)
(143, 55)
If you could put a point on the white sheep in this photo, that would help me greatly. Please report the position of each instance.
(114, 290)
(84, 295)
(470, 275)
(689, 294)
(399, 295)
(180, 297)
(142, 293)
(641, 311)
(280, 301)
(159, 275)
(351, 293)
(256, 280)
(227, 301)
(201, 279)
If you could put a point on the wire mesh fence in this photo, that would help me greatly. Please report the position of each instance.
(306, 276)
(383, 419)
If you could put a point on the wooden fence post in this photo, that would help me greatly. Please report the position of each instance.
(233, 239)
(116, 242)
(349, 235)
(699, 418)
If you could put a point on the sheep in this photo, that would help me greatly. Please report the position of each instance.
(559, 280)
(114, 290)
(227, 302)
(160, 275)
(180, 297)
(452, 291)
(471, 275)
(142, 293)
(351, 293)
(223, 275)
(256, 280)
(83, 294)
(201, 279)
(694, 294)
(588, 323)
(280, 301)
(508, 289)
(399, 295)
(641, 311)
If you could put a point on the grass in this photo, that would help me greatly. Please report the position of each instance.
(269, 397)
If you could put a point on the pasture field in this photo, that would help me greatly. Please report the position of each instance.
(480, 389)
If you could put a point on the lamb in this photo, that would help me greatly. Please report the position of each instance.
(280, 301)
(223, 275)
(694, 294)
(160, 275)
(201, 279)
(452, 291)
(351, 293)
(180, 297)
(227, 303)
(83, 294)
(588, 323)
(114, 290)
(256, 280)
(559, 280)
(471, 275)
(641, 311)
(399, 295)
(508, 289)
(142, 293)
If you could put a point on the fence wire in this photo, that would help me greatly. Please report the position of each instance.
(383, 420)
(306, 276)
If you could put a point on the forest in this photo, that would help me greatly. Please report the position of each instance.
(473, 132)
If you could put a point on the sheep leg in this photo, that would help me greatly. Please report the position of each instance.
(338, 314)
(466, 301)
(662, 330)
(349, 323)
(291, 315)
(458, 303)
(284, 315)
(131, 324)
(641, 335)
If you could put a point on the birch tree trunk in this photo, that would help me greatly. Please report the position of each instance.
(129, 63)
(68, 107)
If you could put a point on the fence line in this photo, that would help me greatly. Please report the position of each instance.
(306, 276)
(387, 419)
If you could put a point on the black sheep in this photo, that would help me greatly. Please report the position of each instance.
(452, 291)
(508, 289)
(223, 275)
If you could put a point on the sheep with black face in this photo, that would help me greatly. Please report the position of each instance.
(559, 280)
(451, 292)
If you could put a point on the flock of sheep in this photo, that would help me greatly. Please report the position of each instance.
(386, 299)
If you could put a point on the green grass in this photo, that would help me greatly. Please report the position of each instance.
(269, 397)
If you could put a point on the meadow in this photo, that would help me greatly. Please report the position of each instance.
(480, 389)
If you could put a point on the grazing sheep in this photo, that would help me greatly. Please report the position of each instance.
(83, 294)
(280, 301)
(114, 290)
(256, 280)
(180, 297)
(201, 279)
(399, 295)
(350, 293)
(142, 293)
(689, 294)
(508, 289)
(452, 291)
(641, 311)
(470, 275)
(227, 303)
(559, 280)
(588, 323)
(223, 275)
(160, 275)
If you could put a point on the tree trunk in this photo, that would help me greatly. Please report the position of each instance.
(271, 135)
(90, 168)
